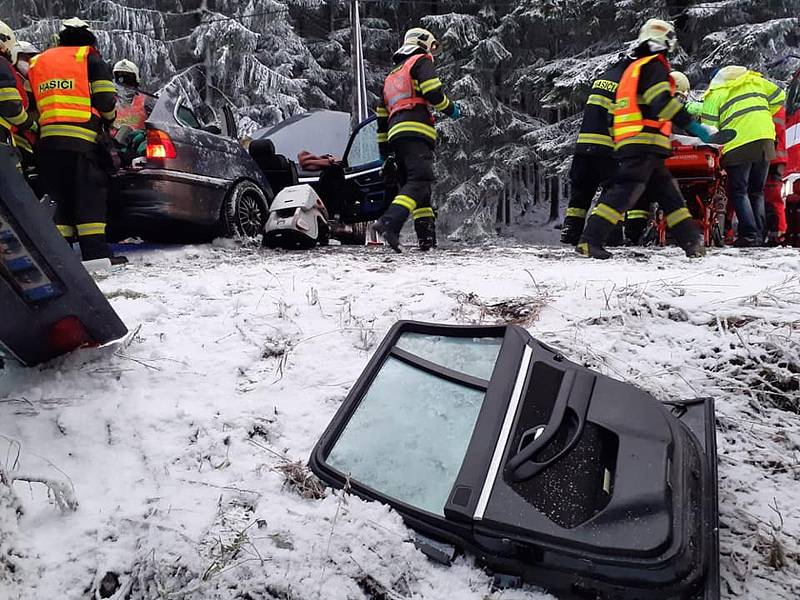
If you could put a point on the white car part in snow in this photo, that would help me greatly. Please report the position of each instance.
(97, 264)
(299, 209)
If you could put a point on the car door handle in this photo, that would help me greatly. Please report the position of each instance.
(572, 404)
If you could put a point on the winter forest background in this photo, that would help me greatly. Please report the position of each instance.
(520, 68)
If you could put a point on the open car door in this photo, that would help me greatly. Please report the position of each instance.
(362, 162)
(228, 123)
(486, 440)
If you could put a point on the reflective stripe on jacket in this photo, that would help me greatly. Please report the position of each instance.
(745, 104)
(630, 124)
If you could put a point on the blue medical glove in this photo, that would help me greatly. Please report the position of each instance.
(699, 131)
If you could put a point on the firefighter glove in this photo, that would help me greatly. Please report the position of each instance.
(389, 165)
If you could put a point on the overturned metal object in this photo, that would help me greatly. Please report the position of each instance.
(49, 305)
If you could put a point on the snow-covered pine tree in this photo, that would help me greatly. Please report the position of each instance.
(521, 68)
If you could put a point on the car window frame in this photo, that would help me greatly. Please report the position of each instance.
(183, 102)
(353, 135)
(388, 349)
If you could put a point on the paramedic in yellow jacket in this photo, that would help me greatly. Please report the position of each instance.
(744, 101)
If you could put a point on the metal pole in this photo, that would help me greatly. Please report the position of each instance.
(359, 105)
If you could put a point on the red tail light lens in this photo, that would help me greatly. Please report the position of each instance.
(159, 145)
(67, 334)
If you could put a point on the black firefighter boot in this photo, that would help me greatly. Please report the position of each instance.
(390, 224)
(571, 230)
(426, 232)
(594, 236)
(688, 236)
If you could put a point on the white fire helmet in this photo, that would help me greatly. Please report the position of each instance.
(660, 34)
(419, 38)
(127, 66)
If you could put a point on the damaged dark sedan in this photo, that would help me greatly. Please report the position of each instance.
(195, 181)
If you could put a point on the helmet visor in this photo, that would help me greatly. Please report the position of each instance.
(671, 40)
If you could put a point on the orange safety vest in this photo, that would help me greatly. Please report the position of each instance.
(628, 118)
(398, 89)
(60, 83)
(133, 115)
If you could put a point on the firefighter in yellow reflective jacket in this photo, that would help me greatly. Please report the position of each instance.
(745, 102)
(14, 117)
(76, 100)
(644, 109)
(406, 130)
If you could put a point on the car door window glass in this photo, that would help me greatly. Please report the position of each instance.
(364, 147)
(473, 356)
(408, 436)
(186, 117)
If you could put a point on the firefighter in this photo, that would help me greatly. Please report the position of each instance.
(638, 218)
(644, 109)
(131, 103)
(744, 101)
(15, 120)
(410, 93)
(133, 108)
(593, 163)
(76, 100)
(25, 140)
(775, 208)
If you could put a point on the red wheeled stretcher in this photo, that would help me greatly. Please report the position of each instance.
(703, 183)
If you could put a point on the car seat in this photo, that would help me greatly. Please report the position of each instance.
(279, 170)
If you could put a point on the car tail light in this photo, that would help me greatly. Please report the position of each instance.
(159, 145)
(67, 334)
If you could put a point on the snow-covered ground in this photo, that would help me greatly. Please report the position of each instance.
(173, 445)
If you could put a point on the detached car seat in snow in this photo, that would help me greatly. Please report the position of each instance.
(279, 170)
(488, 441)
(49, 304)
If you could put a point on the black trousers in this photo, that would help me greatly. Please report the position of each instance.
(638, 173)
(587, 174)
(414, 176)
(79, 186)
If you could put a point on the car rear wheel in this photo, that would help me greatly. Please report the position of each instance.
(244, 211)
